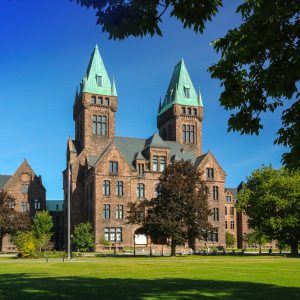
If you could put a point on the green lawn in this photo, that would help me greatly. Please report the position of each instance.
(152, 278)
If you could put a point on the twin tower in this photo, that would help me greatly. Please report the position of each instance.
(179, 116)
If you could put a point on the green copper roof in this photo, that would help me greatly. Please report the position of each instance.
(181, 90)
(96, 80)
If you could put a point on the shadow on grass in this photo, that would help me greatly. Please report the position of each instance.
(40, 286)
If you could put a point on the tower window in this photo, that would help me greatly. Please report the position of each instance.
(183, 110)
(106, 187)
(119, 188)
(187, 92)
(215, 192)
(155, 163)
(195, 111)
(93, 99)
(140, 190)
(99, 125)
(99, 81)
(113, 167)
(189, 111)
(188, 134)
(106, 211)
(100, 101)
(106, 101)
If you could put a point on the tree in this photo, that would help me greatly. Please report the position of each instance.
(26, 243)
(256, 237)
(11, 220)
(259, 64)
(229, 239)
(179, 212)
(83, 237)
(271, 199)
(41, 227)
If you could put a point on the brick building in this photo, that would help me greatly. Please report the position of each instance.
(108, 171)
(28, 190)
(230, 212)
(56, 210)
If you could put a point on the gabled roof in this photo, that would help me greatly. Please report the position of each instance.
(139, 156)
(233, 192)
(176, 92)
(155, 141)
(3, 180)
(97, 69)
(55, 205)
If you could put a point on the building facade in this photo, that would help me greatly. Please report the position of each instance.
(28, 190)
(231, 221)
(108, 171)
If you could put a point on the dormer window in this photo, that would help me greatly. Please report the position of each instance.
(99, 81)
(187, 92)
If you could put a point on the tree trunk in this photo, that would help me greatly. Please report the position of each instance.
(294, 247)
(173, 249)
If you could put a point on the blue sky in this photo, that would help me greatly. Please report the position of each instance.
(45, 48)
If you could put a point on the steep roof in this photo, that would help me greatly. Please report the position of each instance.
(129, 147)
(3, 180)
(155, 141)
(96, 79)
(233, 192)
(55, 205)
(177, 90)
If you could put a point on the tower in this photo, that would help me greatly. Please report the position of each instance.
(95, 106)
(180, 115)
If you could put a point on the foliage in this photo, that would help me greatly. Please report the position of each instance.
(25, 242)
(271, 200)
(83, 237)
(260, 59)
(179, 212)
(124, 18)
(104, 242)
(41, 227)
(11, 220)
(256, 237)
(229, 239)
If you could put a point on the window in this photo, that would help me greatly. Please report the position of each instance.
(156, 191)
(183, 110)
(113, 234)
(106, 211)
(186, 92)
(106, 187)
(140, 190)
(99, 125)
(231, 224)
(215, 192)
(119, 211)
(106, 101)
(195, 111)
(188, 134)
(100, 101)
(225, 210)
(213, 236)
(25, 188)
(37, 204)
(228, 198)
(215, 214)
(24, 207)
(162, 163)
(119, 188)
(232, 211)
(93, 99)
(113, 167)
(141, 169)
(226, 225)
(99, 81)
(189, 111)
(57, 207)
(155, 163)
(210, 173)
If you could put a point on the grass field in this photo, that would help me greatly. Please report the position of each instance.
(152, 278)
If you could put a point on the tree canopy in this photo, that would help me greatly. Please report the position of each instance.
(271, 199)
(259, 67)
(11, 220)
(83, 237)
(180, 210)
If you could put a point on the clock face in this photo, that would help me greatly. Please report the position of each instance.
(25, 177)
